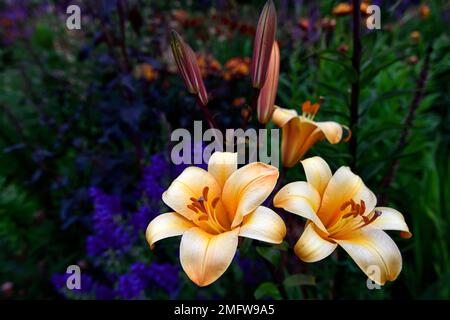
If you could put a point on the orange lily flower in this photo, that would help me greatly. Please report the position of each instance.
(300, 133)
(212, 208)
(342, 211)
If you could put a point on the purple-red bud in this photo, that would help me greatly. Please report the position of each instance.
(262, 47)
(266, 99)
(188, 67)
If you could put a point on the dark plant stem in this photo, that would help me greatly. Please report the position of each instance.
(407, 124)
(209, 118)
(354, 118)
(354, 103)
(123, 46)
(277, 275)
(253, 106)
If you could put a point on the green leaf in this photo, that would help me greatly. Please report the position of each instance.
(367, 77)
(245, 245)
(270, 254)
(267, 290)
(299, 280)
(43, 37)
(284, 246)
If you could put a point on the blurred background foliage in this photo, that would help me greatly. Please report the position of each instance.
(86, 115)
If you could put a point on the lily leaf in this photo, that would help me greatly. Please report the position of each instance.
(284, 246)
(244, 246)
(270, 254)
(299, 279)
(267, 290)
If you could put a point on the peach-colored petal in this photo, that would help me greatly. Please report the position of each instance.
(341, 188)
(318, 173)
(311, 247)
(331, 130)
(205, 257)
(166, 225)
(294, 136)
(247, 188)
(221, 165)
(373, 250)
(281, 116)
(291, 143)
(391, 219)
(263, 224)
(190, 183)
(300, 198)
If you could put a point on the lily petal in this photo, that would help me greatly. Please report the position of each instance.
(281, 116)
(166, 225)
(331, 130)
(294, 143)
(205, 257)
(316, 131)
(221, 165)
(300, 198)
(291, 143)
(373, 250)
(247, 188)
(265, 225)
(391, 219)
(343, 185)
(190, 183)
(318, 173)
(311, 247)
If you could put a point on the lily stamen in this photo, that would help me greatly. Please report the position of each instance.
(205, 193)
(214, 202)
(206, 211)
(309, 110)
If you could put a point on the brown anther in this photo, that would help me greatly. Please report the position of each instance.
(315, 107)
(363, 206)
(377, 213)
(192, 208)
(368, 220)
(205, 193)
(357, 210)
(306, 106)
(199, 206)
(214, 202)
(351, 213)
(203, 218)
(348, 203)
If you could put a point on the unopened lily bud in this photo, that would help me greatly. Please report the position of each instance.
(266, 99)
(188, 66)
(262, 47)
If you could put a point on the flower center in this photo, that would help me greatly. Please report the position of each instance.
(309, 110)
(354, 219)
(207, 212)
